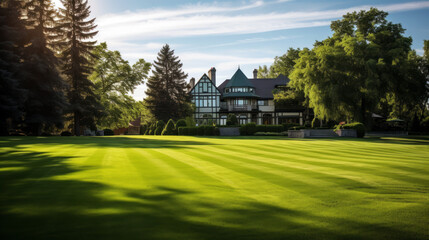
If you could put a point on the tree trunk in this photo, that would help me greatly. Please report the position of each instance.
(76, 124)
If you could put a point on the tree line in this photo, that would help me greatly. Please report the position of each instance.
(367, 66)
(54, 76)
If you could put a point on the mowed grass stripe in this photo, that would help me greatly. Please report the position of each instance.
(188, 170)
(330, 154)
(289, 181)
(404, 171)
(295, 173)
(414, 174)
(241, 183)
(315, 160)
(321, 179)
(312, 164)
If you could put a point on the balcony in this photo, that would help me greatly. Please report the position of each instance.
(238, 108)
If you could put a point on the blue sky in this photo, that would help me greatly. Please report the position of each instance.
(228, 34)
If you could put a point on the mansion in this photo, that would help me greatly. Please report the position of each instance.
(251, 100)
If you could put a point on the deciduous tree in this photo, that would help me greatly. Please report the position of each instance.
(114, 80)
(364, 63)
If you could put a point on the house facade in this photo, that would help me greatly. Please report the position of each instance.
(251, 100)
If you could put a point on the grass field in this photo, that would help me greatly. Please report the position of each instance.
(153, 187)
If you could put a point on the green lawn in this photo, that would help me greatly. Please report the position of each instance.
(155, 187)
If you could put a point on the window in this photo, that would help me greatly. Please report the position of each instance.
(263, 102)
(222, 120)
(242, 119)
(205, 86)
(240, 102)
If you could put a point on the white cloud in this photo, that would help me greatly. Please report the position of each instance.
(199, 19)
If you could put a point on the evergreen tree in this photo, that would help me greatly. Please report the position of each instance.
(166, 94)
(12, 39)
(76, 55)
(45, 101)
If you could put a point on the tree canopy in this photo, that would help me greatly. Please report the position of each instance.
(365, 63)
(114, 79)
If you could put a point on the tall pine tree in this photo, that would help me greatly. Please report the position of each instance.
(76, 55)
(45, 101)
(12, 40)
(167, 97)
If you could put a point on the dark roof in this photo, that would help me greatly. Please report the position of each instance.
(239, 80)
(263, 86)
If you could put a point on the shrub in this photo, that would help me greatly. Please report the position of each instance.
(192, 131)
(169, 129)
(216, 131)
(248, 129)
(200, 130)
(160, 123)
(261, 128)
(108, 132)
(231, 120)
(190, 122)
(152, 129)
(156, 128)
(180, 123)
(209, 130)
(269, 128)
(269, 134)
(274, 128)
(424, 124)
(45, 134)
(143, 129)
(359, 127)
(287, 126)
(66, 134)
(298, 128)
(182, 131)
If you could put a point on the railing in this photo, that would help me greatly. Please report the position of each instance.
(231, 107)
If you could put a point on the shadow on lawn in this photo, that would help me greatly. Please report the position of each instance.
(35, 205)
(121, 142)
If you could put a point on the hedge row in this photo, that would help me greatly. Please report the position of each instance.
(359, 127)
(199, 131)
(251, 128)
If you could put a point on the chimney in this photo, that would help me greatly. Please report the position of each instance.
(212, 75)
(255, 73)
(192, 82)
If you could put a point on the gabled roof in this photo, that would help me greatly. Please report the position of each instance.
(204, 75)
(263, 86)
(239, 80)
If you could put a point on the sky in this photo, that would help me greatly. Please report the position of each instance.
(230, 34)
